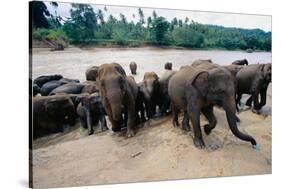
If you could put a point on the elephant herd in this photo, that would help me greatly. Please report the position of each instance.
(109, 91)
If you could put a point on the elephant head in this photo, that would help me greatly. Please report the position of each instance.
(133, 68)
(60, 109)
(216, 87)
(168, 66)
(113, 85)
(151, 84)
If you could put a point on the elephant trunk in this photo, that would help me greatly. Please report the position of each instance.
(232, 119)
(89, 122)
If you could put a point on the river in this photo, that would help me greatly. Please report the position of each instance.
(72, 62)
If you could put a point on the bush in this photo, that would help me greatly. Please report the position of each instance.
(120, 36)
(40, 33)
(56, 35)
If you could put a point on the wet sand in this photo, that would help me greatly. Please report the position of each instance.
(159, 151)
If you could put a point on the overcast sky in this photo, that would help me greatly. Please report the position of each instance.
(222, 19)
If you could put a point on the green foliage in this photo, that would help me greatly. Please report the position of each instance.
(39, 13)
(159, 28)
(187, 37)
(85, 25)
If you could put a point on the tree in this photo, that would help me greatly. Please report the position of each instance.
(39, 13)
(159, 28)
(154, 14)
(187, 37)
(123, 18)
(100, 16)
(82, 24)
(180, 23)
(149, 21)
(141, 15)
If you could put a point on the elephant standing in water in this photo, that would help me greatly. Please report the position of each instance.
(91, 111)
(119, 94)
(240, 62)
(133, 68)
(196, 91)
(254, 80)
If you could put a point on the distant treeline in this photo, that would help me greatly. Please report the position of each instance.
(86, 26)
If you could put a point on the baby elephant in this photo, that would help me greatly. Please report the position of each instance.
(133, 68)
(90, 112)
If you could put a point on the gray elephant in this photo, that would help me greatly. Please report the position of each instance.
(240, 62)
(168, 66)
(48, 87)
(119, 94)
(41, 80)
(91, 111)
(69, 88)
(163, 87)
(195, 91)
(90, 87)
(133, 68)
(254, 80)
(92, 73)
(150, 87)
(51, 114)
(35, 89)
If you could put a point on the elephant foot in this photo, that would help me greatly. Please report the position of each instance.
(116, 129)
(130, 133)
(176, 123)
(104, 128)
(186, 127)
(255, 111)
(207, 129)
(199, 143)
(90, 132)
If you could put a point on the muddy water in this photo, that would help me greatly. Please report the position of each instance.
(74, 61)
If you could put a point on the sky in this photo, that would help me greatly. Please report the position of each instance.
(213, 18)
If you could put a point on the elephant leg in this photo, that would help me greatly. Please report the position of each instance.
(194, 114)
(185, 122)
(208, 112)
(239, 96)
(249, 101)
(131, 115)
(83, 123)
(175, 116)
(256, 100)
(103, 123)
(263, 97)
(143, 119)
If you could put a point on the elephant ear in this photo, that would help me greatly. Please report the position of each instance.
(119, 68)
(200, 82)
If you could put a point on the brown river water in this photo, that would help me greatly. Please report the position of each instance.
(73, 62)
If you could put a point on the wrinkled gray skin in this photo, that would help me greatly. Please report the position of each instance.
(168, 66)
(41, 80)
(163, 87)
(69, 88)
(51, 114)
(133, 68)
(254, 80)
(92, 73)
(91, 111)
(195, 91)
(151, 89)
(240, 62)
(119, 94)
(205, 65)
(48, 87)
(90, 87)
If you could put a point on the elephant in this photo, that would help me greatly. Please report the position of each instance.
(35, 89)
(240, 62)
(163, 87)
(46, 78)
(51, 114)
(133, 68)
(253, 80)
(151, 88)
(91, 111)
(168, 66)
(92, 73)
(67, 80)
(90, 87)
(118, 93)
(69, 88)
(195, 91)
